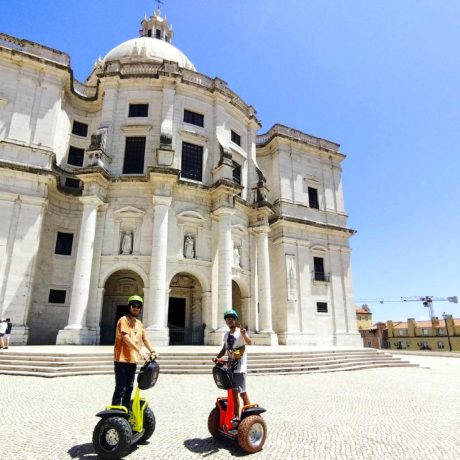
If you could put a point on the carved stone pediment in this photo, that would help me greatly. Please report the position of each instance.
(191, 217)
(128, 212)
(239, 230)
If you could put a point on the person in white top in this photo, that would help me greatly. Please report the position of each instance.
(3, 326)
(235, 341)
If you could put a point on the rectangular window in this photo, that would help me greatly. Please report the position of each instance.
(64, 244)
(318, 264)
(236, 173)
(236, 138)
(424, 346)
(134, 155)
(158, 33)
(440, 345)
(442, 331)
(138, 110)
(425, 331)
(75, 156)
(193, 118)
(313, 198)
(403, 331)
(79, 129)
(321, 307)
(192, 161)
(72, 183)
(56, 296)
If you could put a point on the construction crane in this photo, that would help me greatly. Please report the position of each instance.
(426, 300)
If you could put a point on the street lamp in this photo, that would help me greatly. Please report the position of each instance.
(447, 330)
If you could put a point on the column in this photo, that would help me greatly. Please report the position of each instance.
(19, 273)
(156, 309)
(224, 285)
(254, 301)
(263, 269)
(76, 331)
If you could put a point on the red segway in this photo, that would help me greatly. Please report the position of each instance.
(251, 431)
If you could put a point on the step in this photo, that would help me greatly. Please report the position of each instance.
(168, 362)
(289, 362)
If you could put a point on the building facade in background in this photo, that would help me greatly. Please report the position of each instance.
(434, 335)
(150, 178)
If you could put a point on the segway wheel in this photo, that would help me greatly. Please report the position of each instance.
(213, 423)
(149, 424)
(112, 438)
(252, 433)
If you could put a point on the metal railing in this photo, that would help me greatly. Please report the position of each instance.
(321, 276)
(186, 336)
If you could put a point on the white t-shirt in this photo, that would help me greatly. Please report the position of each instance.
(235, 340)
(3, 326)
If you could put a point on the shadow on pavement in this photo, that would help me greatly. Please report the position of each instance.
(83, 451)
(209, 446)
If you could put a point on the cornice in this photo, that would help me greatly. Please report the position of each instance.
(280, 220)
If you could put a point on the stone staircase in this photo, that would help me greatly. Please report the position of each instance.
(290, 362)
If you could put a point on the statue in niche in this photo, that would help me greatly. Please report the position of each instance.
(189, 243)
(236, 256)
(127, 243)
(291, 273)
(99, 140)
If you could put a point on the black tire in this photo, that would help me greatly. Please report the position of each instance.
(112, 438)
(149, 424)
(213, 423)
(252, 433)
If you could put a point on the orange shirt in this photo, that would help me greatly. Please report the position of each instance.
(135, 330)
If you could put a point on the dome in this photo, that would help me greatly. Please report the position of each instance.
(148, 49)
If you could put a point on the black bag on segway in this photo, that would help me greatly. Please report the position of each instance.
(223, 378)
(148, 375)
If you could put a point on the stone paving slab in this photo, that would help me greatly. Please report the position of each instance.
(392, 413)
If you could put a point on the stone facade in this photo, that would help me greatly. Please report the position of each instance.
(150, 179)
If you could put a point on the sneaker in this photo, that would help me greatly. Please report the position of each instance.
(235, 422)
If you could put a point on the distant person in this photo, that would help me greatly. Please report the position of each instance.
(130, 336)
(3, 327)
(235, 341)
(6, 339)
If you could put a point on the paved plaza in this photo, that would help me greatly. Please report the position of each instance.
(391, 413)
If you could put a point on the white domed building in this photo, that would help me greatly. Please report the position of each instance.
(150, 178)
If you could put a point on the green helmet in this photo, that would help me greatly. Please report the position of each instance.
(136, 299)
(231, 313)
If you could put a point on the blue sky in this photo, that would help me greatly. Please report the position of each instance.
(379, 77)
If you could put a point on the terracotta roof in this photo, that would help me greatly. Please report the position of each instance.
(424, 323)
(400, 325)
(361, 311)
(421, 324)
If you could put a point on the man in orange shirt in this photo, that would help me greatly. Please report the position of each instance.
(130, 336)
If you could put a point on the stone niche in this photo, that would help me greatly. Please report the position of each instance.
(127, 231)
(239, 238)
(189, 235)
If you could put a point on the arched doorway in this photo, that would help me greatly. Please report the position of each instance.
(241, 304)
(118, 288)
(236, 301)
(185, 317)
